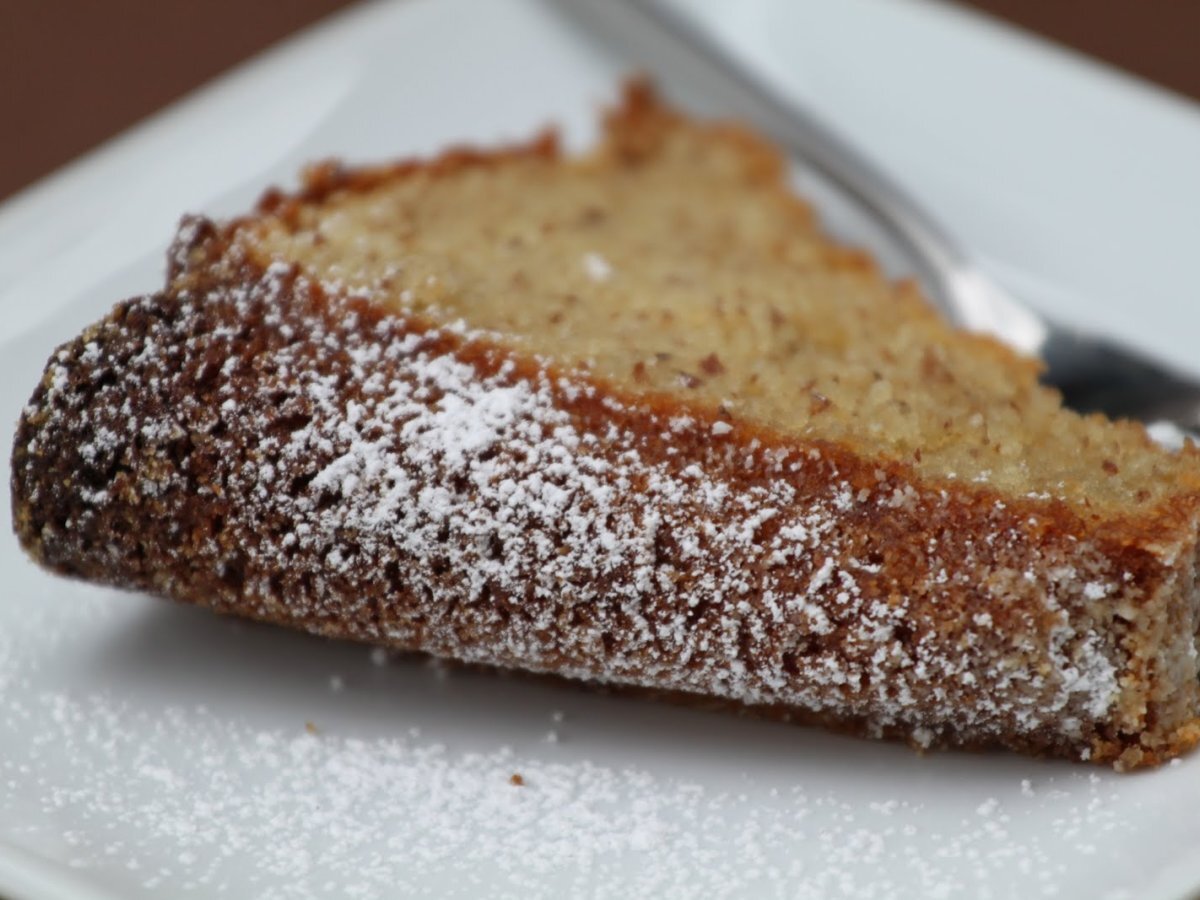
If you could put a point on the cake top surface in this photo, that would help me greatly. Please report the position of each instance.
(674, 261)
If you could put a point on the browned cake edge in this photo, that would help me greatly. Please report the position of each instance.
(233, 445)
(249, 442)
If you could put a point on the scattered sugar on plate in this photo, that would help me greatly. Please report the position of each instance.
(988, 806)
(186, 800)
(393, 816)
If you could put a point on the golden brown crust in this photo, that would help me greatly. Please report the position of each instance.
(169, 499)
(249, 441)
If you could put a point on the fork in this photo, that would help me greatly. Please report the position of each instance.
(1094, 374)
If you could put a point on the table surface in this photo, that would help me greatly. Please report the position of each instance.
(76, 72)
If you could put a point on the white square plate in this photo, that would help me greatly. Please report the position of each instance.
(154, 750)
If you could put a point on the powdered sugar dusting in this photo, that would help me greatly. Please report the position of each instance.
(417, 487)
(596, 267)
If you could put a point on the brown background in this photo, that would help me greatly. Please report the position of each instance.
(73, 72)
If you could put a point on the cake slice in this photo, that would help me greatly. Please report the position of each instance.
(632, 419)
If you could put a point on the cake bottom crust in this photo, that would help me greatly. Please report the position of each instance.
(259, 446)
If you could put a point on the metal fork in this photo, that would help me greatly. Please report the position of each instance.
(1093, 374)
